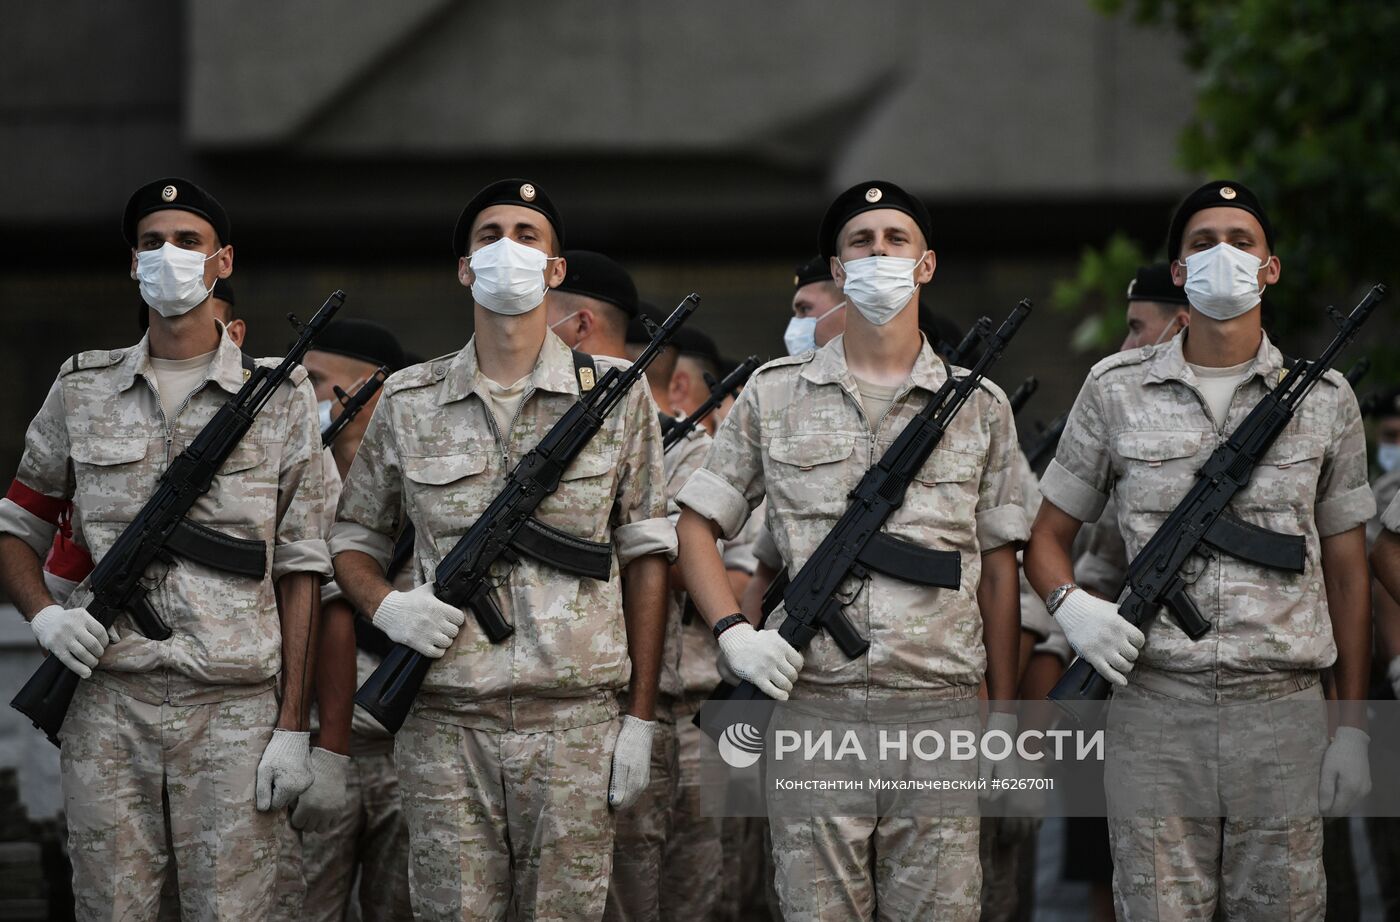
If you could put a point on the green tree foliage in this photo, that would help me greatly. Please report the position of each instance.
(1300, 101)
(1100, 286)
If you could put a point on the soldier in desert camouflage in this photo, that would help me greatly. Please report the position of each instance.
(516, 753)
(194, 721)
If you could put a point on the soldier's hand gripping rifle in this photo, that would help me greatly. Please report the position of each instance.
(1202, 519)
(674, 431)
(505, 528)
(352, 404)
(161, 531)
(856, 545)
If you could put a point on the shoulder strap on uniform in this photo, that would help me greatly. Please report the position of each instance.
(585, 371)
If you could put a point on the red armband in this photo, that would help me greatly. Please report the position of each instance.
(48, 508)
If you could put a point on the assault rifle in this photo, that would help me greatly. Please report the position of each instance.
(856, 546)
(674, 431)
(506, 528)
(1202, 519)
(1022, 394)
(161, 531)
(353, 403)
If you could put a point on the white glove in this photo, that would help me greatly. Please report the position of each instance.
(1392, 673)
(321, 803)
(1346, 772)
(631, 762)
(761, 657)
(420, 620)
(72, 635)
(725, 673)
(1005, 768)
(284, 773)
(1099, 634)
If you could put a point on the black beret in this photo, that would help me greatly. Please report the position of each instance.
(1222, 193)
(223, 290)
(411, 358)
(179, 195)
(696, 344)
(1384, 403)
(363, 340)
(1154, 283)
(505, 192)
(637, 332)
(816, 269)
(594, 275)
(868, 196)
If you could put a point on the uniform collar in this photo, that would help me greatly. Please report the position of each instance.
(553, 371)
(1167, 362)
(828, 366)
(226, 370)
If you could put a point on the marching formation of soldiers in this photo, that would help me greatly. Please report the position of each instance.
(549, 767)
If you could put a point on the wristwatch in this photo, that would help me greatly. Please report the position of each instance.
(1057, 596)
(727, 622)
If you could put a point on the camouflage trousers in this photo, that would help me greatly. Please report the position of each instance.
(643, 830)
(690, 865)
(1168, 866)
(138, 774)
(893, 867)
(507, 824)
(746, 891)
(368, 839)
(1008, 867)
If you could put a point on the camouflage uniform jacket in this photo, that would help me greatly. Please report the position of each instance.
(799, 436)
(1386, 489)
(1390, 518)
(1140, 429)
(432, 453)
(101, 440)
(682, 655)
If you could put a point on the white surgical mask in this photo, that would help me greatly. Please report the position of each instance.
(324, 408)
(172, 278)
(509, 277)
(801, 333)
(1388, 456)
(1167, 333)
(1223, 282)
(566, 317)
(880, 286)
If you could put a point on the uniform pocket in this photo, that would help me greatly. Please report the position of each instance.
(582, 504)
(811, 473)
(942, 499)
(112, 481)
(245, 456)
(1156, 468)
(1286, 477)
(446, 493)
